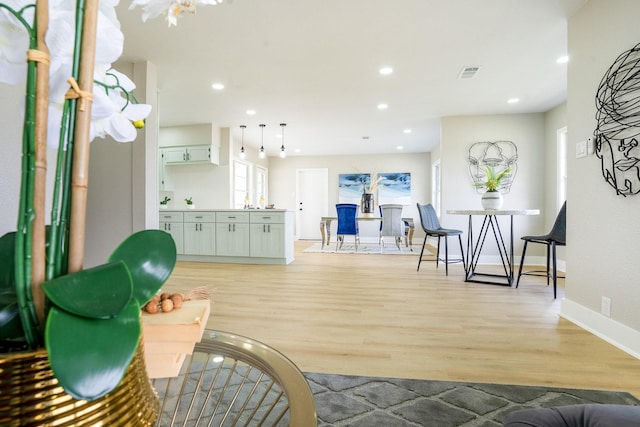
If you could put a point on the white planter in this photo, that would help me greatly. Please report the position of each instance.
(191, 206)
(492, 200)
(163, 206)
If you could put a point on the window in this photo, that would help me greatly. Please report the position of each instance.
(240, 184)
(562, 167)
(261, 186)
(435, 186)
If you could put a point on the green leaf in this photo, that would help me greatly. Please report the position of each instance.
(10, 323)
(89, 357)
(7, 261)
(98, 293)
(150, 256)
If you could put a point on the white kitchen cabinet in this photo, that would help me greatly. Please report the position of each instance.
(232, 233)
(173, 223)
(199, 233)
(267, 234)
(190, 154)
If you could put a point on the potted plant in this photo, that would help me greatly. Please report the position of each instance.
(189, 202)
(492, 198)
(164, 202)
(76, 330)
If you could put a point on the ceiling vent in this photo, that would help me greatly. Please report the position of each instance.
(468, 72)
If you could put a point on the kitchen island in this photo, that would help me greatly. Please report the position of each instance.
(249, 236)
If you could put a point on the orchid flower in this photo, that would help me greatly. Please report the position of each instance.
(171, 8)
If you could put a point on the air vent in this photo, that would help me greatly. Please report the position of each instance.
(468, 72)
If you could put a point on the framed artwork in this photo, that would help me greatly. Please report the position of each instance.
(394, 188)
(351, 186)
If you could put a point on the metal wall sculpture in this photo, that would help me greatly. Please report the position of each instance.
(618, 127)
(500, 155)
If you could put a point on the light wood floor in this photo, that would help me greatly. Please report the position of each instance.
(376, 315)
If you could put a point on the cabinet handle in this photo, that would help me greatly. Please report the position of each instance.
(263, 228)
(198, 217)
(229, 228)
(269, 227)
(184, 156)
(234, 228)
(169, 225)
(231, 217)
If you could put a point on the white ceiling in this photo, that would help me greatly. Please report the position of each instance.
(314, 65)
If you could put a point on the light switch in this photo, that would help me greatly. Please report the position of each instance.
(581, 149)
(589, 145)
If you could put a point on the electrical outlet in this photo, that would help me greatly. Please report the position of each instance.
(605, 307)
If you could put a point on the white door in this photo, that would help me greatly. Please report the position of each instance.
(312, 199)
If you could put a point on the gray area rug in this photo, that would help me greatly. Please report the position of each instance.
(343, 400)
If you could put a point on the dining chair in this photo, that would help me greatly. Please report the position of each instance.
(556, 237)
(347, 223)
(431, 226)
(392, 224)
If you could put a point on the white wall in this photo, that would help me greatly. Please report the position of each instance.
(526, 131)
(282, 179)
(207, 184)
(119, 200)
(602, 228)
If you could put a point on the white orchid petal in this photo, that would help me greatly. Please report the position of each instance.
(135, 112)
(120, 128)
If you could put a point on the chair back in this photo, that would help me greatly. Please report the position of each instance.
(392, 224)
(559, 231)
(428, 217)
(347, 223)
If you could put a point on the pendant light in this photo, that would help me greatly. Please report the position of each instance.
(242, 153)
(283, 154)
(262, 153)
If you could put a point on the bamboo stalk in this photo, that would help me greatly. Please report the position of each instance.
(42, 107)
(80, 175)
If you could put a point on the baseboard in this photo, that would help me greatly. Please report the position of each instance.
(613, 332)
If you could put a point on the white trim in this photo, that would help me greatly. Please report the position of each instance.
(613, 332)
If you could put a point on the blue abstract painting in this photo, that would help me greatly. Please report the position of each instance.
(395, 188)
(351, 186)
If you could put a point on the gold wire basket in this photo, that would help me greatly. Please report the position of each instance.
(31, 396)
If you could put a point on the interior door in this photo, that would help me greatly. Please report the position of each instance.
(312, 199)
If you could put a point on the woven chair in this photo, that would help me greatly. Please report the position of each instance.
(231, 380)
(431, 227)
(556, 237)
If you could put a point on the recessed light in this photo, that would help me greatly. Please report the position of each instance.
(563, 59)
(382, 106)
(407, 131)
(217, 86)
(251, 112)
(513, 100)
(399, 147)
(297, 150)
(385, 71)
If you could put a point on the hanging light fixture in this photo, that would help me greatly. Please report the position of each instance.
(242, 153)
(283, 154)
(262, 153)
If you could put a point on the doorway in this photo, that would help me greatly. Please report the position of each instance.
(312, 199)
